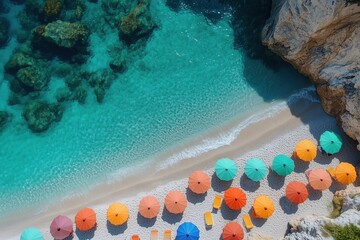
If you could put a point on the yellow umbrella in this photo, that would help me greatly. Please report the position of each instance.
(263, 206)
(345, 173)
(306, 150)
(117, 214)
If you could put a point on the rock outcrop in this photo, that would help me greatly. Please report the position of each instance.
(62, 34)
(321, 39)
(315, 227)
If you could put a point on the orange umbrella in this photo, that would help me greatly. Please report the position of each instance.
(149, 207)
(263, 206)
(345, 173)
(199, 182)
(117, 214)
(175, 202)
(296, 192)
(85, 219)
(235, 198)
(306, 150)
(232, 231)
(319, 179)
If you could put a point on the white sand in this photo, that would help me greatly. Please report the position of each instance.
(264, 139)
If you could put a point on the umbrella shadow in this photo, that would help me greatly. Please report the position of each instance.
(274, 180)
(258, 222)
(248, 184)
(83, 235)
(301, 166)
(323, 158)
(336, 186)
(170, 217)
(287, 206)
(70, 237)
(145, 222)
(219, 185)
(313, 194)
(116, 230)
(228, 213)
(194, 197)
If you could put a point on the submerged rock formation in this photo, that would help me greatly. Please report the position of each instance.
(321, 39)
(62, 34)
(316, 227)
(4, 31)
(40, 115)
(4, 119)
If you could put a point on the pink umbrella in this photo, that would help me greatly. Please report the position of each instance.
(61, 227)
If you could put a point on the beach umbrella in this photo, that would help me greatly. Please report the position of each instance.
(319, 179)
(85, 219)
(117, 214)
(235, 198)
(31, 234)
(188, 231)
(255, 169)
(306, 150)
(175, 202)
(296, 192)
(345, 173)
(199, 182)
(61, 227)
(330, 142)
(263, 206)
(225, 169)
(283, 165)
(149, 207)
(232, 231)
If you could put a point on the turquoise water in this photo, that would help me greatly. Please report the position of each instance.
(188, 79)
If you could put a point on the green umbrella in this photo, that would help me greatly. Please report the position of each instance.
(225, 169)
(330, 142)
(255, 169)
(283, 165)
(31, 234)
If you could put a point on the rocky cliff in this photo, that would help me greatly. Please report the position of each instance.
(321, 39)
(319, 227)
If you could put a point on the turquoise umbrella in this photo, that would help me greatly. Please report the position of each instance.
(31, 234)
(255, 169)
(188, 231)
(330, 142)
(283, 165)
(225, 169)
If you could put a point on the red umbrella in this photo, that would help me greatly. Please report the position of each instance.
(61, 227)
(232, 231)
(235, 198)
(296, 192)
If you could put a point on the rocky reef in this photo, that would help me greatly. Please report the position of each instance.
(319, 227)
(54, 45)
(321, 39)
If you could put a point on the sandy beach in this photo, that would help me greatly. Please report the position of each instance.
(263, 139)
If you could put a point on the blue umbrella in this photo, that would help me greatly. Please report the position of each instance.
(188, 231)
(31, 234)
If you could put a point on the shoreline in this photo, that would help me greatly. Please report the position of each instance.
(257, 135)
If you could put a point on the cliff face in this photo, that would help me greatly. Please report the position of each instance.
(321, 39)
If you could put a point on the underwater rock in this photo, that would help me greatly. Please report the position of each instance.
(80, 94)
(33, 77)
(73, 81)
(138, 23)
(4, 31)
(17, 61)
(62, 34)
(40, 115)
(52, 10)
(14, 99)
(31, 16)
(100, 93)
(62, 94)
(118, 65)
(4, 118)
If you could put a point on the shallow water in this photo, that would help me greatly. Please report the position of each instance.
(188, 79)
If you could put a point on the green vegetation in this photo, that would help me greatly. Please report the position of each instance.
(337, 205)
(348, 232)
